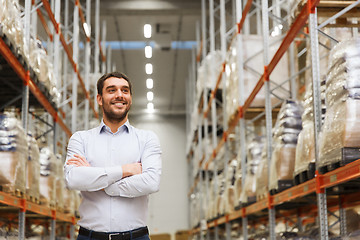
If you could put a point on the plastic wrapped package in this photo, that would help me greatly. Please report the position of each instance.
(253, 57)
(69, 199)
(59, 183)
(47, 177)
(285, 136)
(13, 154)
(44, 69)
(208, 72)
(255, 148)
(231, 201)
(341, 129)
(232, 81)
(33, 169)
(262, 176)
(305, 148)
(220, 196)
(238, 186)
(12, 24)
(282, 164)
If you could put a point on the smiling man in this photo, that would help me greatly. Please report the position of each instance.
(115, 166)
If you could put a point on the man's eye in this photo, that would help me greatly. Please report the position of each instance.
(111, 90)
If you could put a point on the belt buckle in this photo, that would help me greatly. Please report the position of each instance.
(113, 234)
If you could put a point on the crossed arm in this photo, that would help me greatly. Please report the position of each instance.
(129, 180)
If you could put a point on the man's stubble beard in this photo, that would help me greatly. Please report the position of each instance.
(113, 117)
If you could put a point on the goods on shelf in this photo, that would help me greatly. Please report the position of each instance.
(44, 69)
(255, 147)
(59, 182)
(305, 148)
(13, 154)
(69, 199)
(340, 130)
(285, 136)
(220, 199)
(230, 193)
(11, 25)
(33, 169)
(208, 71)
(253, 69)
(47, 177)
(262, 176)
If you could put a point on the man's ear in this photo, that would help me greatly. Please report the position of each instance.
(99, 99)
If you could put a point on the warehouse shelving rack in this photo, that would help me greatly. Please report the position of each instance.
(16, 73)
(312, 187)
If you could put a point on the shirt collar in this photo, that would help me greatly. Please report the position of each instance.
(103, 127)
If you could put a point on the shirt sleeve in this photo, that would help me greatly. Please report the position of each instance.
(149, 180)
(87, 178)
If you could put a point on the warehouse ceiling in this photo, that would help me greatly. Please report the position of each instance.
(173, 33)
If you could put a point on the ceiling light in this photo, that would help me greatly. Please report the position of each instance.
(147, 31)
(149, 83)
(149, 68)
(150, 107)
(150, 96)
(148, 51)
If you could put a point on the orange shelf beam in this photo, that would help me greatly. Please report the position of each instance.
(10, 200)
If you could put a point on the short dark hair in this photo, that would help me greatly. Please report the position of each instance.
(100, 82)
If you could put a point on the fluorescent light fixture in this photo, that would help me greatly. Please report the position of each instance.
(150, 96)
(147, 31)
(148, 51)
(149, 83)
(87, 30)
(149, 68)
(150, 107)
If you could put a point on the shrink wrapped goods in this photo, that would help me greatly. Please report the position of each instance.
(255, 148)
(208, 71)
(13, 154)
(220, 197)
(47, 176)
(285, 136)
(33, 169)
(11, 25)
(59, 182)
(262, 176)
(305, 148)
(340, 129)
(253, 69)
(230, 198)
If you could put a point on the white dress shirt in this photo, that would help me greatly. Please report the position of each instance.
(112, 203)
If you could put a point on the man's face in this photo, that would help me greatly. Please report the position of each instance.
(115, 99)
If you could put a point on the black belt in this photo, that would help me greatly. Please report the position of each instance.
(114, 235)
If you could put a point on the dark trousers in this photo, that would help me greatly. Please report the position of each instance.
(81, 237)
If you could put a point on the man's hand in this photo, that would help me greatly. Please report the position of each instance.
(78, 161)
(131, 169)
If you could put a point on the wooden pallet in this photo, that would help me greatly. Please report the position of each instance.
(347, 155)
(13, 191)
(32, 199)
(305, 175)
(261, 196)
(345, 188)
(281, 186)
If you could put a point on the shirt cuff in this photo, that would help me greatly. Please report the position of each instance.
(114, 174)
(113, 190)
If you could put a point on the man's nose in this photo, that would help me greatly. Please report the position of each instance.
(119, 93)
